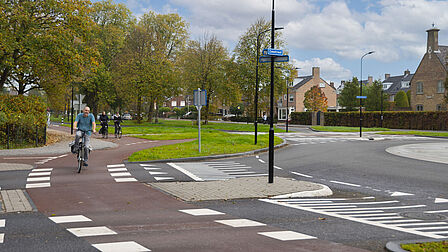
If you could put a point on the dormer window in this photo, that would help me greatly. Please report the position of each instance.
(405, 84)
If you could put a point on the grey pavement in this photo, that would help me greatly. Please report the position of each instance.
(238, 188)
(433, 152)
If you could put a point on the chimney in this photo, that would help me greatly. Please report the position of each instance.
(332, 84)
(407, 72)
(386, 76)
(316, 72)
(370, 80)
(433, 40)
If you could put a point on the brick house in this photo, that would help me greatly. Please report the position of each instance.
(297, 91)
(394, 84)
(427, 85)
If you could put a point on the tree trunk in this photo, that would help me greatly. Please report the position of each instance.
(139, 109)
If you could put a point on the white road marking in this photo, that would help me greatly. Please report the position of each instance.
(115, 166)
(69, 219)
(422, 224)
(437, 211)
(302, 175)
(331, 207)
(201, 212)
(397, 194)
(441, 232)
(91, 231)
(146, 165)
(359, 212)
(383, 218)
(120, 180)
(384, 208)
(257, 156)
(129, 246)
(120, 174)
(278, 168)
(117, 169)
(231, 169)
(189, 174)
(35, 174)
(157, 173)
(261, 161)
(240, 173)
(336, 215)
(2, 237)
(42, 170)
(38, 185)
(253, 175)
(241, 223)
(431, 228)
(317, 200)
(344, 183)
(37, 179)
(151, 168)
(287, 235)
(440, 200)
(372, 215)
(354, 203)
(2, 223)
(163, 178)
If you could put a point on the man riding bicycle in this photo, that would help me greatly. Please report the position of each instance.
(104, 119)
(85, 122)
(117, 121)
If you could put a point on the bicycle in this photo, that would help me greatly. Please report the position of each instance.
(118, 131)
(82, 148)
(105, 130)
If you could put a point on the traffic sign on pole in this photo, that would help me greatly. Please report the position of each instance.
(268, 59)
(361, 97)
(273, 52)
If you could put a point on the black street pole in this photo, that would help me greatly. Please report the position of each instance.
(72, 110)
(381, 123)
(271, 109)
(287, 104)
(360, 94)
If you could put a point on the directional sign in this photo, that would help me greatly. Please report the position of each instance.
(361, 97)
(267, 59)
(273, 52)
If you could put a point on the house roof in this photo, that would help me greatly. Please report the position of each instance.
(302, 80)
(442, 54)
(396, 83)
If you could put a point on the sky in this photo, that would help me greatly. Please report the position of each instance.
(332, 35)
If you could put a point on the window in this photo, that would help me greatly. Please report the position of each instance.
(440, 87)
(182, 103)
(419, 107)
(284, 97)
(322, 85)
(439, 107)
(419, 87)
(405, 84)
(291, 98)
(174, 103)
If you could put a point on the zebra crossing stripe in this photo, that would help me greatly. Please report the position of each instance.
(120, 246)
(117, 170)
(91, 231)
(287, 235)
(163, 178)
(38, 185)
(2, 237)
(69, 219)
(115, 166)
(2, 223)
(422, 224)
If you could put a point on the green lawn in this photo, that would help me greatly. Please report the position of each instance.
(413, 132)
(345, 129)
(427, 246)
(213, 143)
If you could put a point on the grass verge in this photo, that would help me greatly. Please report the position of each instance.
(345, 129)
(213, 143)
(412, 132)
(426, 246)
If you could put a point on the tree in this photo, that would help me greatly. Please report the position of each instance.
(204, 64)
(401, 100)
(245, 58)
(315, 100)
(373, 93)
(41, 37)
(347, 98)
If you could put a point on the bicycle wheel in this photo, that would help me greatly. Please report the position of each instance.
(80, 157)
(119, 133)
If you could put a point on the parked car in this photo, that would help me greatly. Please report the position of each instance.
(127, 116)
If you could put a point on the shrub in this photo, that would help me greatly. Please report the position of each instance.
(401, 99)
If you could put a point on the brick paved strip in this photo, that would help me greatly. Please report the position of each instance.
(15, 201)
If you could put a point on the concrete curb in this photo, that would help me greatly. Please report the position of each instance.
(190, 159)
(395, 246)
(325, 191)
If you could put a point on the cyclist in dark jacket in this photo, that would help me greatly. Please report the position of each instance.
(104, 119)
(117, 120)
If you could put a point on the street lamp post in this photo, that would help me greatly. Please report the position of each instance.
(360, 98)
(257, 85)
(271, 109)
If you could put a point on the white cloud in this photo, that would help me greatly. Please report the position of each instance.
(330, 70)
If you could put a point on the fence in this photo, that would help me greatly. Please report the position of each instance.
(18, 136)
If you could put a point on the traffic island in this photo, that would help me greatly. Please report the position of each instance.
(241, 188)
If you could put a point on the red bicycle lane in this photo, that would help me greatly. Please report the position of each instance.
(133, 216)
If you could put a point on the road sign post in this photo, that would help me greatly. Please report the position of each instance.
(199, 100)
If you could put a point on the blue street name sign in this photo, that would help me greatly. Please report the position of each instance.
(361, 97)
(267, 59)
(273, 52)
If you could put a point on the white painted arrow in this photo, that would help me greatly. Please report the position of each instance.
(396, 194)
(441, 200)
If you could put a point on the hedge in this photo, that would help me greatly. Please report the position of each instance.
(26, 113)
(431, 120)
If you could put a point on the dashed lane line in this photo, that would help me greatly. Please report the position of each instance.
(344, 183)
(302, 175)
